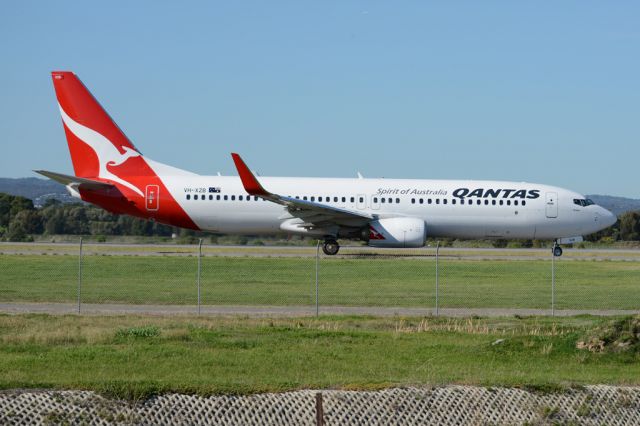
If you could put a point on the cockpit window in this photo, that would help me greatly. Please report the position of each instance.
(583, 202)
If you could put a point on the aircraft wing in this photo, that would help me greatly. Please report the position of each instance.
(74, 181)
(311, 213)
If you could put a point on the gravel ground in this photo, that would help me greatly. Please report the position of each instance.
(287, 311)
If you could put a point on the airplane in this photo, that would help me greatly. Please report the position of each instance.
(110, 172)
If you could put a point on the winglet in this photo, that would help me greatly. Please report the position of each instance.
(249, 181)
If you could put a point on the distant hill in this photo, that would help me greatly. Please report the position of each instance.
(39, 190)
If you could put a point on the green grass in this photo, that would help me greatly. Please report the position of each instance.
(383, 281)
(135, 356)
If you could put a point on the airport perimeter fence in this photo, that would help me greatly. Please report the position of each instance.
(302, 280)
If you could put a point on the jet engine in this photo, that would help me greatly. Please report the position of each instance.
(397, 232)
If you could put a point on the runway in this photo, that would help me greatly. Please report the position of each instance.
(471, 253)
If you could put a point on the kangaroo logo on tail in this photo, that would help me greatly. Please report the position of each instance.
(107, 153)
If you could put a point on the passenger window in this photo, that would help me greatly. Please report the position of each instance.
(195, 197)
(486, 202)
(478, 202)
(421, 200)
(304, 198)
(515, 202)
(413, 201)
(226, 197)
(381, 200)
(313, 198)
(233, 198)
(501, 202)
(508, 202)
(493, 202)
(217, 198)
(344, 199)
(239, 197)
(188, 197)
(335, 199)
(437, 200)
(524, 203)
(469, 202)
(397, 200)
(444, 201)
(453, 201)
(375, 199)
(353, 199)
(429, 201)
(319, 198)
(361, 200)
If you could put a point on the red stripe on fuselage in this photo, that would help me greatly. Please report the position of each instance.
(126, 201)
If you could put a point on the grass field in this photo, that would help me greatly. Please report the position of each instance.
(134, 356)
(367, 281)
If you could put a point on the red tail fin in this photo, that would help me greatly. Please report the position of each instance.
(101, 153)
(94, 139)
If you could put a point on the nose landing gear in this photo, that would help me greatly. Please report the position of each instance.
(330, 247)
(556, 250)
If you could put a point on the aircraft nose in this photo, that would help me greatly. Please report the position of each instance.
(608, 218)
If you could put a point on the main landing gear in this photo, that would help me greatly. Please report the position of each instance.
(556, 250)
(330, 247)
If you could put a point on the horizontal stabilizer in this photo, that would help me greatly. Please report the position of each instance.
(84, 183)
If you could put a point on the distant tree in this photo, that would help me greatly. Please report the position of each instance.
(54, 222)
(19, 204)
(24, 223)
(51, 202)
(79, 218)
(500, 243)
(76, 221)
(630, 226)
(11, 205)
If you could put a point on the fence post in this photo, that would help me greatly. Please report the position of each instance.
(199, 270)
(319, 410)
(317, 267)
(553, 284)
(80, 276)
(437, 278)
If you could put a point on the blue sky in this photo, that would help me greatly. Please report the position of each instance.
(543, 92)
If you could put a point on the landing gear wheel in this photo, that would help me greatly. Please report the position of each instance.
(330, 247)
(557, 250)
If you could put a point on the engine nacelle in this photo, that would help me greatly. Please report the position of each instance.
(397, 232)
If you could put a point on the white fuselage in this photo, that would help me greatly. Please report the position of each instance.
(450, 208)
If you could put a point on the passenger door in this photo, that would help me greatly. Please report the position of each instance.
(552, 204)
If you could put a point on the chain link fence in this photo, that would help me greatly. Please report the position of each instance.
(302, 280)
